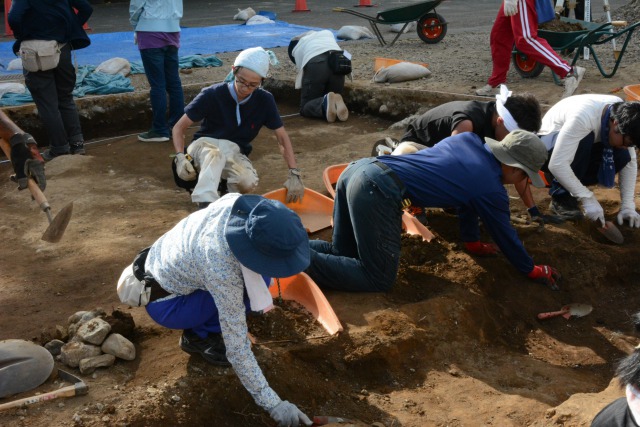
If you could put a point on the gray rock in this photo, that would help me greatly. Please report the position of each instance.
(94, 331)
(119, 346)
(73, 352)
(74, 318)
(54, 347)
(90, 364)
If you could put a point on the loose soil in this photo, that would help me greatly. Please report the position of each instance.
(455, 343)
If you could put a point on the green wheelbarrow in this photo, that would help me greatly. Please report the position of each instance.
(593, 34)
(431, 26)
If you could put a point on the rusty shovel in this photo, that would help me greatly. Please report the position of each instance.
(575, 309)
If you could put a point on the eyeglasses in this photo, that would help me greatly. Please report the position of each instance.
(250, 86)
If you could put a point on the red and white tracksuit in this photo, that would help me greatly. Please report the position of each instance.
(521, 28)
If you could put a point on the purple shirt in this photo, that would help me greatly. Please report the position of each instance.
(155, 39)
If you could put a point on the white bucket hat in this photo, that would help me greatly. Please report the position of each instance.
(257, 60)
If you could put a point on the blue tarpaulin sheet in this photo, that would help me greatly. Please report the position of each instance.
(194, 41)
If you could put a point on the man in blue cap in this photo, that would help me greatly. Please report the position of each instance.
(200, 271)
(459, 172)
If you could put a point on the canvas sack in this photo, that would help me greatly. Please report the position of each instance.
(40, 55)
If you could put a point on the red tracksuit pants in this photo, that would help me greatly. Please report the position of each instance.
(521, 28)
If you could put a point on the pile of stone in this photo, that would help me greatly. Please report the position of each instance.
(93, 340)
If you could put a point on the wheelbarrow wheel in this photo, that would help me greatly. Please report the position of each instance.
(431, 28)
(525, 66)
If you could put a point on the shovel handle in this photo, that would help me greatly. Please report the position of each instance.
(68, 391)
(550, 314)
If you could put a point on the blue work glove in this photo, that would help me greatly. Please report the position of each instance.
(537, 216)
(288, 415)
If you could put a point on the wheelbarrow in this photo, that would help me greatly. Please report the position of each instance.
(593, 34)
(431, 26)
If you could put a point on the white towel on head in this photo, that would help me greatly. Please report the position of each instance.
(259, 295)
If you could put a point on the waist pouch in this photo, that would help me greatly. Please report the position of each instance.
(40, 55)
(137, 288)
(339, 63)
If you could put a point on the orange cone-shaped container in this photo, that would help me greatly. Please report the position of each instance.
(364, 3)
(301, 6)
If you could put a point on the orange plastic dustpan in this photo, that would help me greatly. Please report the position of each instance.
(411, 225)
(315, 210)
(302, 289)
(330, 177)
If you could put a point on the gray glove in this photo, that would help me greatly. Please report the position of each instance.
(542, 219)
(510, 7)
(288, 415)
(184, 168)
(294, 186)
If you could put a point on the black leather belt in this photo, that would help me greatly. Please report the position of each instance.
(391, 174)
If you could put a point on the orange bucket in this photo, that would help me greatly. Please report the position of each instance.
(315, 210)
(632, 92)
(330, 177)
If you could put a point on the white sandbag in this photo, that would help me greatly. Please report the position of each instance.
(11, 88)
(259, 19)
(15, 64)
(244, 15)
(401, 72)
(396, 28)
(115, 66)
(354, 32)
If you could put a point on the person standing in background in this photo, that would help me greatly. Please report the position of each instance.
(52, 89)
(157, 32)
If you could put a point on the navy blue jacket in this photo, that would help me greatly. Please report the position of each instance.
(50, 20)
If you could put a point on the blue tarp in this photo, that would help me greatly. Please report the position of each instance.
(194, 41)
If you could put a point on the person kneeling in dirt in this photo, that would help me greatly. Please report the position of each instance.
(23, 150)
(232, 114)
(625, 411)
(208, 272)
(320, 75)
(460, 171)
(493, 119)
(591, 138)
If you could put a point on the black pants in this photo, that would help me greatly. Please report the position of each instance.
(51, 91)
(318, 80)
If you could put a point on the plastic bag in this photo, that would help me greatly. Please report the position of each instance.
(11, 88)
(354, 32)
(244, 15)
(401, 72)
(115, 66)
(259, 19)
(15, 64)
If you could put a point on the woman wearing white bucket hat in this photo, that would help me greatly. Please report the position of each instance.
(232, 113)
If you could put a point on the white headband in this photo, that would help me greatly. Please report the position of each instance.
(501, 99)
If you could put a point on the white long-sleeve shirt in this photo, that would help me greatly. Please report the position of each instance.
(310, 46)
(195, 255)
(574, 118)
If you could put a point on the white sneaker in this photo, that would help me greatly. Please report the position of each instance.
(487, 90)
(342, 112)
(330, 112)
(572, 81)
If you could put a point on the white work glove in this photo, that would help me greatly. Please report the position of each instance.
(294, 186)
(559, 7)
(630, 214)
(510, 7)
(592, 209)
(184, 168)
(288, 415)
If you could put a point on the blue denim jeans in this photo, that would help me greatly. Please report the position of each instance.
(367, 228)
(161, 68)
(318, 80)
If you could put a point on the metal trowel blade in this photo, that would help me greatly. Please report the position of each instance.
(611, 232)
(58, 225)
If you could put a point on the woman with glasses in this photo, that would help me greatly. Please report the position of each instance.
(231, 115)
(591, 138)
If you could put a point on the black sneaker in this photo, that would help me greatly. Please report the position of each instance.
(77, 148)
(48, 155)
(212, 348)
(152, 136)
(566, 207)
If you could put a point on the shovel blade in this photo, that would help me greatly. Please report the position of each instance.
(612, 233)
(58, 225)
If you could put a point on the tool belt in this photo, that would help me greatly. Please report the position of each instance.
(157, 291)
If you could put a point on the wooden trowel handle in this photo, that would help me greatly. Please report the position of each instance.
(68, 391)
(37, 194)
(550, 314)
